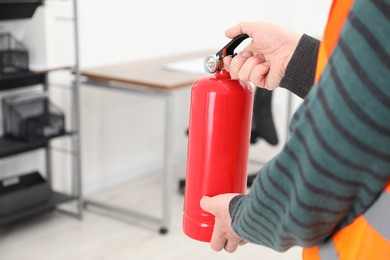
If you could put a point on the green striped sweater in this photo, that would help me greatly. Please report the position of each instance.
(337, 160)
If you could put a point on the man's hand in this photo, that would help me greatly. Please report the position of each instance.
(223, 235)
(264, 60)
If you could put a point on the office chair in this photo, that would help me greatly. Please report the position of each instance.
(263, 126)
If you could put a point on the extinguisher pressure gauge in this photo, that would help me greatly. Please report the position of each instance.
(210, 64)
(213, 63)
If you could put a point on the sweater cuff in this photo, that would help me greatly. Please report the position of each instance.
(300, 71)
(233, 203)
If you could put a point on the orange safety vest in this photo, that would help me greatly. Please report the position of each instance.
(368, 236)
(337, 16)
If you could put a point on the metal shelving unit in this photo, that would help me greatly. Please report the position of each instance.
(12, 147)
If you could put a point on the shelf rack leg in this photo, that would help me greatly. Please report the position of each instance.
(48, 157)
(77, 177)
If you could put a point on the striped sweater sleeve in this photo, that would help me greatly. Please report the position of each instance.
(337, 160)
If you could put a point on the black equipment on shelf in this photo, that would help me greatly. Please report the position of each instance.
(13, 55)
(25, 196)
(22, 192)
(18, 9)
(31, 117)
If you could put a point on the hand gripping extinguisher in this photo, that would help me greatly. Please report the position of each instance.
(218, 140)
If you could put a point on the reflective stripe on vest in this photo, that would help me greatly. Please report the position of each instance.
(367, 237)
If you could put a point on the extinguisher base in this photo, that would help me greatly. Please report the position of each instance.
(198, 230)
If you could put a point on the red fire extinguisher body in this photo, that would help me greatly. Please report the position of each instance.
(218, 145)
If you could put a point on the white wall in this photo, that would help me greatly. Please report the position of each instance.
(117, 144)
(124, 30)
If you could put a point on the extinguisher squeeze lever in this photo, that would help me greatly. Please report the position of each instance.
(212, 63)
(231, 46)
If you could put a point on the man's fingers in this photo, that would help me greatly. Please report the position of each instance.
(247, 53)
(246, 69)
(228, 59)
(231, 246)
(218, 241)
(242, 242)
(236, 64)
(258, 74)
(226, 63)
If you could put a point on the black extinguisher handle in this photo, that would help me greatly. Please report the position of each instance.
(212, 63)
(229, 48)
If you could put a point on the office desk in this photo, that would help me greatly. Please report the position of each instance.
(149, 78)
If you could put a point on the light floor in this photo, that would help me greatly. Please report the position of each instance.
(102, 236)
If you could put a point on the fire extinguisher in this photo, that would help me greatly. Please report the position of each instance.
(218, 140)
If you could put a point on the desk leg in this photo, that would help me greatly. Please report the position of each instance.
(167, 172)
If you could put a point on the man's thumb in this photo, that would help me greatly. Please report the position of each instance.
(206, 204)
(241, 28)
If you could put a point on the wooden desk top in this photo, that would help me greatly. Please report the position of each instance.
(148, 73)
